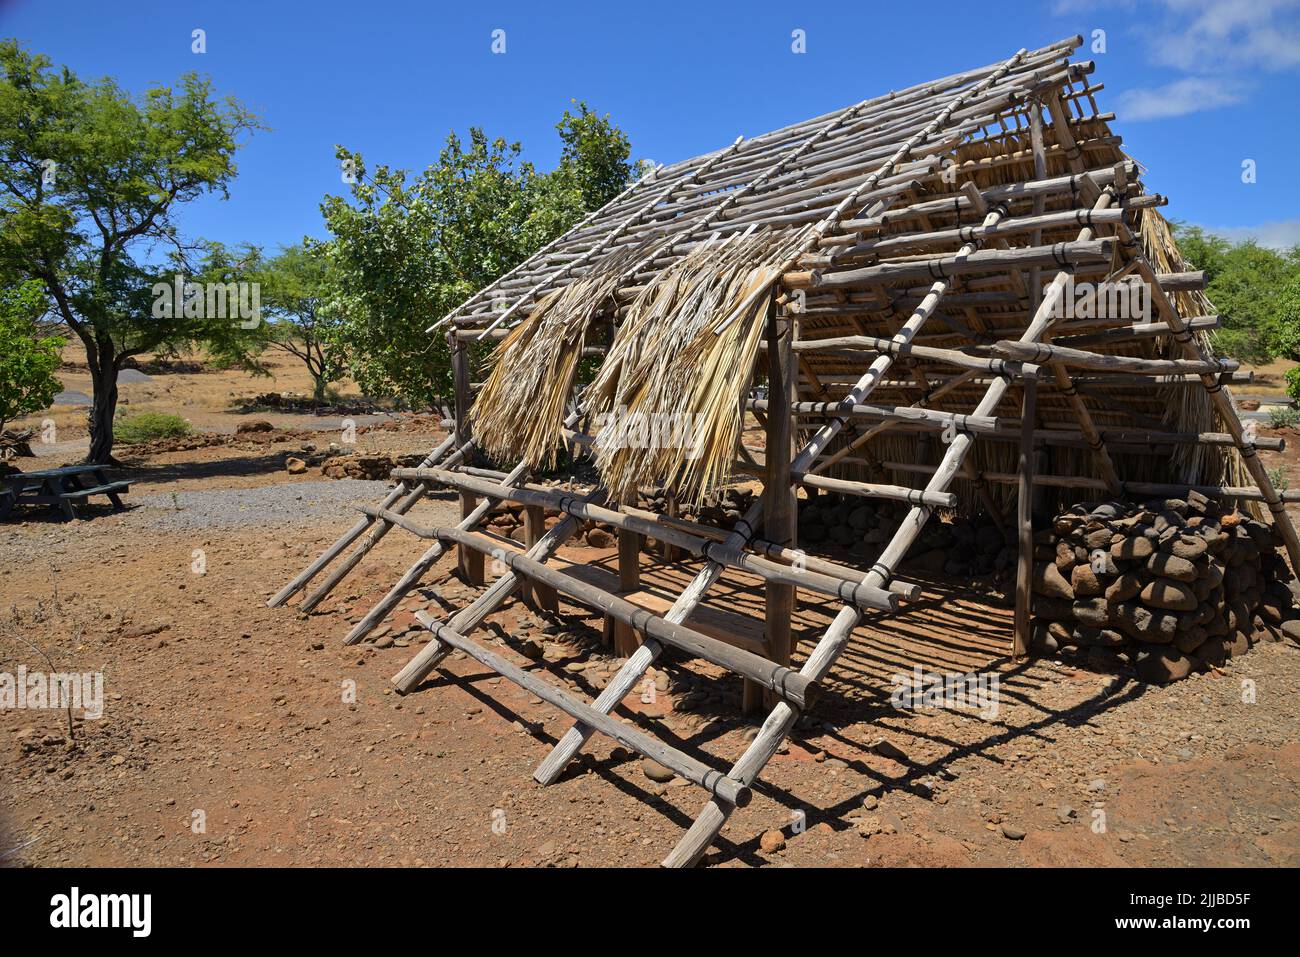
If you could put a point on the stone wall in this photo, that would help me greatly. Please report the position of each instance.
(1168, 586)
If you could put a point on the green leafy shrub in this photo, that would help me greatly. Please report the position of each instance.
(1293, 382)
(27, 362)
(1283, 417)
(147, 426)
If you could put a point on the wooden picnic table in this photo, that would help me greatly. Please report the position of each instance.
(61, 488)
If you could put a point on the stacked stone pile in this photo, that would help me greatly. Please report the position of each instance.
(1168, 586)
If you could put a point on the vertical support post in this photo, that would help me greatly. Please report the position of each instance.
(629, 580)
(469, 561)
(1024, 520)
(542, 596)
(779, 506)
(671, 552)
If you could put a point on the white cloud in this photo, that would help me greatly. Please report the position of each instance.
(1189, 95)
(1197, 36)
(1208, 34)
(1281, 234)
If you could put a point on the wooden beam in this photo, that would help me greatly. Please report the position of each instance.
(779, 505)
(473, 615)
(357, 530)
(1133, 365)
(692, 770)
(788, 684)
(629, 580)
(1024, 522)
(534, 528)
(468, 562)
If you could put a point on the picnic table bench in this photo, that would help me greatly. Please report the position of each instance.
(61, 488)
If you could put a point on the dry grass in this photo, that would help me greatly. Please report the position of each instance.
(1270, 378)
(679, 368)
(1189, 409)
(204, 398)
(519, 412)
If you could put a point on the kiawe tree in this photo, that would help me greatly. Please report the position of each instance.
(297, 319)
(405, 251)
(92, 181)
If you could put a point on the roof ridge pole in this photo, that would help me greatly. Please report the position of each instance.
(582, 223)
(747, 527)
(613, 234)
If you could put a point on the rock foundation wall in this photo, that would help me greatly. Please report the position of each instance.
(1168, 586)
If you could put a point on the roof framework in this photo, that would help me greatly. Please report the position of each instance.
(939, 236)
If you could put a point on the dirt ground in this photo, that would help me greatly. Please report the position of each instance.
(234, 734)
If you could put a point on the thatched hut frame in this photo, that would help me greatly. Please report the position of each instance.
(901, 276)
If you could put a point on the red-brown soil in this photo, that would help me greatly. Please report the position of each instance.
(218, 705)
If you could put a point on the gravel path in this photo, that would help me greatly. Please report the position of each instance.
(271, 506)
(326, 502)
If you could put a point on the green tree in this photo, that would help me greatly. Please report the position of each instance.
(293, 287)
(93, 178)
(406, 250)
(1244, 281)
(27, 360)
(593, 169)
(1286, 334)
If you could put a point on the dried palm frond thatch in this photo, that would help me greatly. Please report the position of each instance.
(1191, 409)
(519, 412)
(672, 386)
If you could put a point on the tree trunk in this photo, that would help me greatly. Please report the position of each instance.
(103, 376)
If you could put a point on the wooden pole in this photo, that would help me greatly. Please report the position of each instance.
(779, 505)
(702, 540)
(426, 561)
(534, 528)
(473, 614)
(689, 768)
(629, 580)
(376, 533)
(468, 561)
(1024, 520)
(350, 536)
(789, 685)
(671, 511)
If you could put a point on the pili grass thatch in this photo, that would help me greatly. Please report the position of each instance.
(519, 412)
(672, 385)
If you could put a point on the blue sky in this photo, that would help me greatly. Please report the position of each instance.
(1198, 86)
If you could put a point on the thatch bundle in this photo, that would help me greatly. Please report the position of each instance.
(519, 412)
(1191, 409)
(671, 388)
